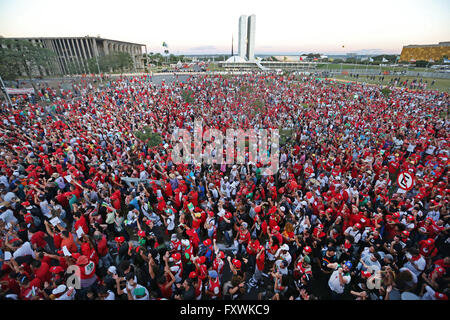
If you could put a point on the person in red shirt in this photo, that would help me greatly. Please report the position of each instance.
(29, 289)
(80, 221)
(38, 239)
(243, 237)
(260, 259)
(41, 270)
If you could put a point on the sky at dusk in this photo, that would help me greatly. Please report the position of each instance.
(206, 27)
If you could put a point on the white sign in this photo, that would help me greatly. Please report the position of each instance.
(55, 221)
(80, 232)
(405, 180)
(19, 90)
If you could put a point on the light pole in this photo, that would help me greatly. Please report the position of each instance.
(6, 92)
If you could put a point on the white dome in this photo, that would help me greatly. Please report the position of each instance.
(235, 59)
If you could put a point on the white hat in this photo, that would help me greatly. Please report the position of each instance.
(59, 289)
(173, 237)
(185, 242)
(284, 247)
(112, 269)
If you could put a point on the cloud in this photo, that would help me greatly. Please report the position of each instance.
(204, 48)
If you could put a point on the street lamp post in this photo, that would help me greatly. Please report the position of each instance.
(6, 92)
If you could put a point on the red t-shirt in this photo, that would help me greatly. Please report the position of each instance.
(43, 273)
(260, 261)
(38, 239)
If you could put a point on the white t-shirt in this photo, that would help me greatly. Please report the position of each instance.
(420, 263)
(355, 234)
(65, 296)
(24, 250)
(335, 284)
(111, 296)
(8, 216)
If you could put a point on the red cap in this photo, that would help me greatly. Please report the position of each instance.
(237, 264)
(201, 259)
(358, 225)
(439, 270)
(307, 249)
(56, 269)
(193, 275)
(365, 274)
(120, 239)
(141, 233)
(405, 233)
(176, 256)
(440, 296)
(76, 255)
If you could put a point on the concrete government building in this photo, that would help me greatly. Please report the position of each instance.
(426, 52)
(76, 51)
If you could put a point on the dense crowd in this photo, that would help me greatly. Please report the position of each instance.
(89, 211)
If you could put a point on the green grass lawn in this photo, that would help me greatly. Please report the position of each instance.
(440, 84)
(337, 66)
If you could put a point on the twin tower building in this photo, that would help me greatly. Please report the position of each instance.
(246, 45)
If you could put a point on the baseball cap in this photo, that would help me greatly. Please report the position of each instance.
(192, 275)
(212, 274)
(56, 269)
(236, 263)
(120, 239)
(389, 256)
(112, 269)
(348, 264)
(440, 296)
(307, 249)
(59, 289)
(176, 256)
(201, 259)
(284, 247)
(139, 291)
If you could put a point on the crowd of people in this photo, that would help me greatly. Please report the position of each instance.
(88, 211)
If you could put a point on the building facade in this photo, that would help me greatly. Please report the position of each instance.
(242, 39)
(428, 52)
(251, 25)
(76, 51)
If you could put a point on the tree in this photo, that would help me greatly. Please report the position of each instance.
(116, 61)
(22, 56)
(421, 63)
(146, 135)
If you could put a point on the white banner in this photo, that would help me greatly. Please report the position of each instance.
(19, 90)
